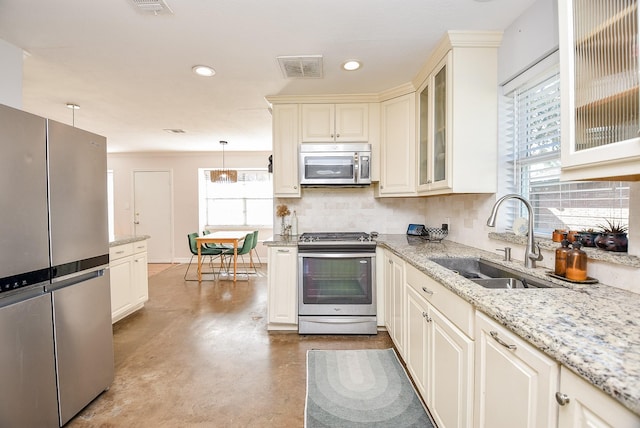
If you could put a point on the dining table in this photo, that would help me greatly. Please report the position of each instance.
(221, 237)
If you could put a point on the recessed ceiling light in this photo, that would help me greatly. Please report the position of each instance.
(175, 131)
(351, 65)
(203, 70)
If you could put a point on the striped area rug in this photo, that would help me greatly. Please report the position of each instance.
(361, 388)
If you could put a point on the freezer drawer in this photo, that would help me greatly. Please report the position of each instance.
(84, 342)
(27, 368)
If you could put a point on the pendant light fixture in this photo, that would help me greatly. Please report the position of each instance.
(224, 175)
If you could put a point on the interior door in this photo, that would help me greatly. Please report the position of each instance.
(153, 213)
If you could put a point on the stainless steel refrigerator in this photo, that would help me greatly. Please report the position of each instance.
(27, 365)
(73, 236)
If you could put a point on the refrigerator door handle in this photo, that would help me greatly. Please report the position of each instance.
(77, 277)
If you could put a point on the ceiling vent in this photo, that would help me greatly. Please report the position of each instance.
(301, 67)
(156, 7)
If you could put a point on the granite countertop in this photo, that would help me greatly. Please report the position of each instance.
(594, 329)
(126, 239)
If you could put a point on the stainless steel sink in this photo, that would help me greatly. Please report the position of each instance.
(492, 275)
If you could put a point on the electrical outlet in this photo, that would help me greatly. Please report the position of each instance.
(447, 224)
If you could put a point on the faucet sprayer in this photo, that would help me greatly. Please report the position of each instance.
(531, 255)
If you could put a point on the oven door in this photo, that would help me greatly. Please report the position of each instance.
(337, 284)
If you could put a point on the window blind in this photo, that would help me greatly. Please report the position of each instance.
(532, 151)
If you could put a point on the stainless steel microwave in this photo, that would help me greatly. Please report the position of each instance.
(335, 164)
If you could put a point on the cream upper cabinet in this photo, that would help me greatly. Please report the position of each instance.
(582, 405)
(282, 288)
(515, 383)
(398, 147)
(457, 115)
(599, 69)
(335, 122)
(286, 182)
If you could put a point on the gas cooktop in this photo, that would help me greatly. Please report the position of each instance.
(327, 237)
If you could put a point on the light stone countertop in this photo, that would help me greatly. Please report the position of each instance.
(127, 239)
(594, 329)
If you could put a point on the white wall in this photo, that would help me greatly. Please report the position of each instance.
(531, 37)
(10, 75)
(184, 168)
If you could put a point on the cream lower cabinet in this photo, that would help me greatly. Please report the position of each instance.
(129, 278)
(395, 299)
(515, 383)
(282, 288)
(439, 355)
(582, 405)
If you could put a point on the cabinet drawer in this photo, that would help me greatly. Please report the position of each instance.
(453, 307)
(120, 251)
(139, 246)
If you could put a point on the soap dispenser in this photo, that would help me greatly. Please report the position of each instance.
(576, 263)
(561, 256)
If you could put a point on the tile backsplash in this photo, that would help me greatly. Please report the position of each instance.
(351, 209)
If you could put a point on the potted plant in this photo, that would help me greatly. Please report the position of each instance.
(613, 237)
(588, 237)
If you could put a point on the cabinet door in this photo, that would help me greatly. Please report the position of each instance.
(515, 383)
(395, 299)
(286, 182)
(398, 311)
(417, 334)
(440, 144)
(351, 122)
(450, 375)
(587, 406)
(120, 272)
(398, 148)
(318, 122)
(282, 285)
(140, 286)
(599, 69)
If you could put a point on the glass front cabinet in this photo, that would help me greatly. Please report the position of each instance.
(457, 138)
(599, 66)
(434, 142)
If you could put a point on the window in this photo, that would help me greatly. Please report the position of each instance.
(248, 202)
(531, 156)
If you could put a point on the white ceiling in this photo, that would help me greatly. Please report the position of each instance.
(130, 72)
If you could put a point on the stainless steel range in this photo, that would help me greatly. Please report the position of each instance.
(337, 283)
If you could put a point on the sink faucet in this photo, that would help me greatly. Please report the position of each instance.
(531, 255)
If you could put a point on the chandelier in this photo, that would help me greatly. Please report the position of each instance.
(224, 175)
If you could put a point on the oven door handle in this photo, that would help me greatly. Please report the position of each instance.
(302, 254)
(343, 320)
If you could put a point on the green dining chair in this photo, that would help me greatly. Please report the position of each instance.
(213, 253)
(246, 247)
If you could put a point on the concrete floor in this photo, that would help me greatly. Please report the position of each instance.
(199, 355)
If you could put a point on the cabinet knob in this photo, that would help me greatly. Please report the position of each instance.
(426, 290)
(295, 187)
(562, 399)
(426, 317)
(497, 338)
(283, 251)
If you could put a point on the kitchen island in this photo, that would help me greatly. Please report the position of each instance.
(593, 329)
(128, 275)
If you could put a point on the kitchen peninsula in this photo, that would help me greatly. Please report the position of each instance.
(588, 330)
